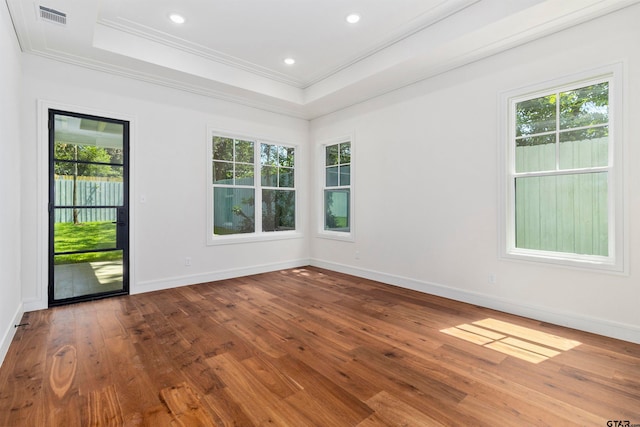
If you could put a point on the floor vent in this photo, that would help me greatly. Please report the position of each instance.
(52, 15)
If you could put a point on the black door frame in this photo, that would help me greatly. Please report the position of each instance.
(122, 219)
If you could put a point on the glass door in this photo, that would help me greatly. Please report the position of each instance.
(88, 207)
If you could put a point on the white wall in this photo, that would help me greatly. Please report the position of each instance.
(169, 163)
(426, 183)
(10, 300)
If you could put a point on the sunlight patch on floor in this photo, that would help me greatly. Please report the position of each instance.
(514, 340)
(108, 272)
(73, 280)
(299, 271)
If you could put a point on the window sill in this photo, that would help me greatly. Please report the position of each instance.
(585, 262)
(251, 238)
(336, 235)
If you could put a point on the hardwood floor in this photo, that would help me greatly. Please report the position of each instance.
(306, 347)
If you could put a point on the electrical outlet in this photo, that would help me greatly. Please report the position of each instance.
(492, 278)
(187, 261)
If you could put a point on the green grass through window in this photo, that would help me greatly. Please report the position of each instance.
(86, 236)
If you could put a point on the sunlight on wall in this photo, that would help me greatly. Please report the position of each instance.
(530, 345)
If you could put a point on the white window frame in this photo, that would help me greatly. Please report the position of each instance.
(616, 260)
(258, 235)
(332, 234)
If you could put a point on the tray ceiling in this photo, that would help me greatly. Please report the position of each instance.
(235, 50)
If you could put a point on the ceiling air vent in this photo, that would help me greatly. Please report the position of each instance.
(52, 15)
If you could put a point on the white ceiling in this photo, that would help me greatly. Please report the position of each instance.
(234, 50)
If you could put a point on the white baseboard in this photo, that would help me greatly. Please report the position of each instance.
(35, 304)
(598, 326)
(9, 333)
(595, 325)
(174, 282)
(177, 281)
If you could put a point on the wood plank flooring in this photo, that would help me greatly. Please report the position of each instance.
(309, 347)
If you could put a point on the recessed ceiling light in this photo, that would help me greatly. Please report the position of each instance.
(289, 61)
(353, 18)
(177, 19)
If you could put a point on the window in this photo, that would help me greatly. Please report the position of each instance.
(233, 186)
(563, 176)
(278, 190)
(337, 188)
(242, 204)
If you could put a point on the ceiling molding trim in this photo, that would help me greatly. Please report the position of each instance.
(18, 16)
(472, 50)
(170, 83)
(433, 16)
(171, 41)
(493, 39)
(171, 59)
(442, 11)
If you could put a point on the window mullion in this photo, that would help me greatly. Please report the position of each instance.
(257, 186)
(558, 131)
(563, 172)
(235, 163)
